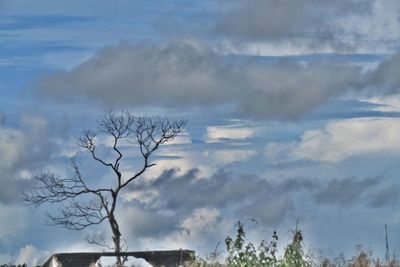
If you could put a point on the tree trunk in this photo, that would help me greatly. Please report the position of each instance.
(116, 237)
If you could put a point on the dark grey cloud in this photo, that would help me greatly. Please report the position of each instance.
(389, 196)
(253, 196)
(313, 21)
(268, 210)
(296, 184)
(347, 191)
(146, 73)
(385, 78)
(219, 190)
(288, 89)
(187, 74)
(137, 222)
(240, 196)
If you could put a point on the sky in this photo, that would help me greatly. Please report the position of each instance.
(293, 111)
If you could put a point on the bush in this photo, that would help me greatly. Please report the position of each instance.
(294, 255)
(244, 254)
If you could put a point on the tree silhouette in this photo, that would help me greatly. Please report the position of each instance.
(87, 205)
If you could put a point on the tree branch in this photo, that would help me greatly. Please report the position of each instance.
(146, 132)
(78, 216)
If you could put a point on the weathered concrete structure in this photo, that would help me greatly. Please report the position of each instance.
(161, 258)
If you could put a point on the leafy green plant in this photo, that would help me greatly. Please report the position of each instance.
(294, 255)
(243, 254)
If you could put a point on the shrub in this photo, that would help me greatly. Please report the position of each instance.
(294, 255)
(244, 254)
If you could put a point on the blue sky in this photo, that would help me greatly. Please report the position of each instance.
(293, 111)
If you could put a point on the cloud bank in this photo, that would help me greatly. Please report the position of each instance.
(187, 74)
(200, 208)
(312, 25)
(261, 19)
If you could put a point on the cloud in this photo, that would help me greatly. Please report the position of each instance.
(31, 256)
(385, 79)
(386, 103)
(215, 133)
(276, 153)
(180, 160)
(166, 228)
(185, 73)
(226, 190)
(340, 140)
(345, 191)
(240, 196)
(13, 219)
(12, 146)
(176, 209)
(189, 207)
(311, 22)
(24, 150)
(227, 156)
(137, 222)
(199, 229)
(388, 196)
(200, 220)
(271, 211)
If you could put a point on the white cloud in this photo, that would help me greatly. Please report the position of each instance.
(389, 103)
(340, 140)
(145, 196)
(31, 256)
(24, 174)
(18, 144)
(277, 48)
(158, 231)
(12, 143)
(182, 163)
(181, 160)
(181, 139)
(201, 220)
(195, 228)
(24, 150)
(215, 133)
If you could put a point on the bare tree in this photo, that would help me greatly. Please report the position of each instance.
(85, 205)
